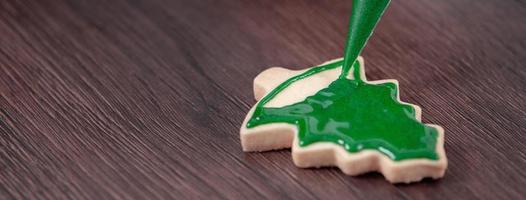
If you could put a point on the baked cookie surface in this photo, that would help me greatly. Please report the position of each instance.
(356, 125)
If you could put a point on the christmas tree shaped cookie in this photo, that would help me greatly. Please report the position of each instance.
(332, 116)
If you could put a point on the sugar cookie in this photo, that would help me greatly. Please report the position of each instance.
(289, 116)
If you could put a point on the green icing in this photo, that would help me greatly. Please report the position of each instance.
(355, 115)
(350, 112)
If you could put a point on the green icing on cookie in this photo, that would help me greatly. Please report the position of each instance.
(355, 115)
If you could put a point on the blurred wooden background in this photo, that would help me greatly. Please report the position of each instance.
(143, 99)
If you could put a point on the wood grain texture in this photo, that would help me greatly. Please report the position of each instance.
(143, 99)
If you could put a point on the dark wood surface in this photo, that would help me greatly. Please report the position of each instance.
(143, 99)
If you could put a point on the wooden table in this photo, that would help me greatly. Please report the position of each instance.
(143, 99)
